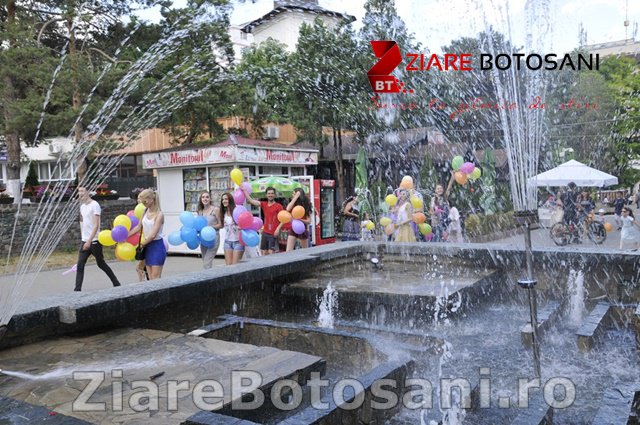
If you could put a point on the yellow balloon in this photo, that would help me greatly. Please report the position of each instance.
(139, 211)
(236, 176)
(391, 200)
(416, 203)
(122, 220)
(475, 174)
(105, 238)
(424, 228)
(385, 221)
(125, 251)
(370, 225)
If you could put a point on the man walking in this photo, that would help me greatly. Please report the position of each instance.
(89, 228)
(270, 210)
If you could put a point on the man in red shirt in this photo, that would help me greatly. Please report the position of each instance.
(270, 210)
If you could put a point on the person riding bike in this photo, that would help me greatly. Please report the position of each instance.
(570, 204)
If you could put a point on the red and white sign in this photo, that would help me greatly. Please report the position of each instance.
(228, 154)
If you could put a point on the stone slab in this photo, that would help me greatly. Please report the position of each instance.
(18, 412)
(546, 317)
(592, 327)
(616, 406)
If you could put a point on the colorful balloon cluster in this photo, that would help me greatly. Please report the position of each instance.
(293, 217)
(119, 234)
(194, 232)
(249, 224)
(462, 171)
(417, 203)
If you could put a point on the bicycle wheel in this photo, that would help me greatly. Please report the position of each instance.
(597, 232)
(559, 234)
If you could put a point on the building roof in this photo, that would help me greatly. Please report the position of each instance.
(311, 8)
(243, 141)
(628, 47)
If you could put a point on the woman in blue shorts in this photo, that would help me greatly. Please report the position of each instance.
(233, 249)
(152, 223)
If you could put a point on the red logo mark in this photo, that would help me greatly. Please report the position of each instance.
(389, 57)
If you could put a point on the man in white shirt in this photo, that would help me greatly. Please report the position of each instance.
(90, 227)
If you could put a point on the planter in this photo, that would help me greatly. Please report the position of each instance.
(36, 199)
(6, 201)
(105, 197)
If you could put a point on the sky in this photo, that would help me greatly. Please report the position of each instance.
(434, 23)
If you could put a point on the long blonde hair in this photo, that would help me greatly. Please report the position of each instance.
(151, 194)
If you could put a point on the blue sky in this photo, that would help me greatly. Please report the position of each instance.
(436, 22)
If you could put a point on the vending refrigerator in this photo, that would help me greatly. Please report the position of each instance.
(324, 204)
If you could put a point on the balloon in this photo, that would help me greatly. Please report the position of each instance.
(187, 219)
(476, 173)
(298, 212)
(419, 217)
(122, 220)
(467, 167)
(407, 182)
(239, 209)
(236, 176)
(461, 178)
(457, 162)
(240, 239)
(166, 244)
(125, 251)
(298, 227)
(188, 234)
(208, 244)
(238, 197)
(425, 228)
(199, 222)
(257, 224)
(193, 244)
(428, 237)
(250, 237)
(391, 200)
(245, 220)
(385, 221)
(105, 238)
(416, 203)
(119, 233)
(134, 221)
(134, 239)
(247, 187)
(389, 229)
(175, 239)
(284, 217)
(370, 225)
(607, 226)
(139, 211)
(208, 234)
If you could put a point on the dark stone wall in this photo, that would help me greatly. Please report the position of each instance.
(71, 238)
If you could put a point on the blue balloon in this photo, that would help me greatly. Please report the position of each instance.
(189, 234)
(208, 244)
(199, 222)
(250, 237)
(175, 239)
(208, 233)
(187, 219)
(193, 244)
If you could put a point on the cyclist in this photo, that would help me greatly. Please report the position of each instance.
(570, 204)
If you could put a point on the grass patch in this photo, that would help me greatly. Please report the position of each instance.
(60, 259)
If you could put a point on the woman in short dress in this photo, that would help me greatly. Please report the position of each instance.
(404, 210)
(233, 249)
(630, 232)
(152, 223)
(208, 211)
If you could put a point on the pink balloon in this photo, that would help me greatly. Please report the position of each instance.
(428, 237)
(298, 226)
(240, 239)
(247, 187)
(239, 197)
(257, 224)
(134, 239)
(467, 167)
(245, 220)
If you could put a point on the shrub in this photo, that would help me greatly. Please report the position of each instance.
(478, 225)
(32, 176)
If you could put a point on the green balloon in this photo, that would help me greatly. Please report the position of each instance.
(475, 175)
(424, 228)
(457, 162)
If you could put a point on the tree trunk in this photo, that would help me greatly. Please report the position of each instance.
(337, 147)
(81, 166)
(11, 137)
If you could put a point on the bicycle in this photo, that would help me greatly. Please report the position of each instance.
(562, 234)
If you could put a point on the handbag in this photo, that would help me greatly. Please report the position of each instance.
(140, 250)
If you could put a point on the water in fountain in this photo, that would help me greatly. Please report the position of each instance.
(575, 288)
(328, 306)
(157, 104)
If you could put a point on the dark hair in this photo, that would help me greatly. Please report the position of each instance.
(571, 185)
(200, 204)
(270, 188)
(232, 205)
(303, 201)
(629, 211)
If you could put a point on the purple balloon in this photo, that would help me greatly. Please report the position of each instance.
(134, 221)
(238, 197)
(257, 224)
(467, 167)
(239, 209)
(119, 233)
(247, 187)
(298, 226)
(428, 237)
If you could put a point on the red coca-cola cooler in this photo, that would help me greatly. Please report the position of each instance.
(324, 195)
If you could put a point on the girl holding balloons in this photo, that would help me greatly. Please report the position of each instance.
(208, 211)
(233, 249)
(404, 209)
(300, 208)
(439, 211)
(152, 224)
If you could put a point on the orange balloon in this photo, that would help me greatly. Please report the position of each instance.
(284, 217)
(608, 227)
(461, 178)
(298, 212)
(419, 218)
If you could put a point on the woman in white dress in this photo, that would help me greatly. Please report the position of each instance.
(630, 232)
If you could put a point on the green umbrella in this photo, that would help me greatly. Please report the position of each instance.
(284, 187)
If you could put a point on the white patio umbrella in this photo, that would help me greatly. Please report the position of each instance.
(574, 171)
